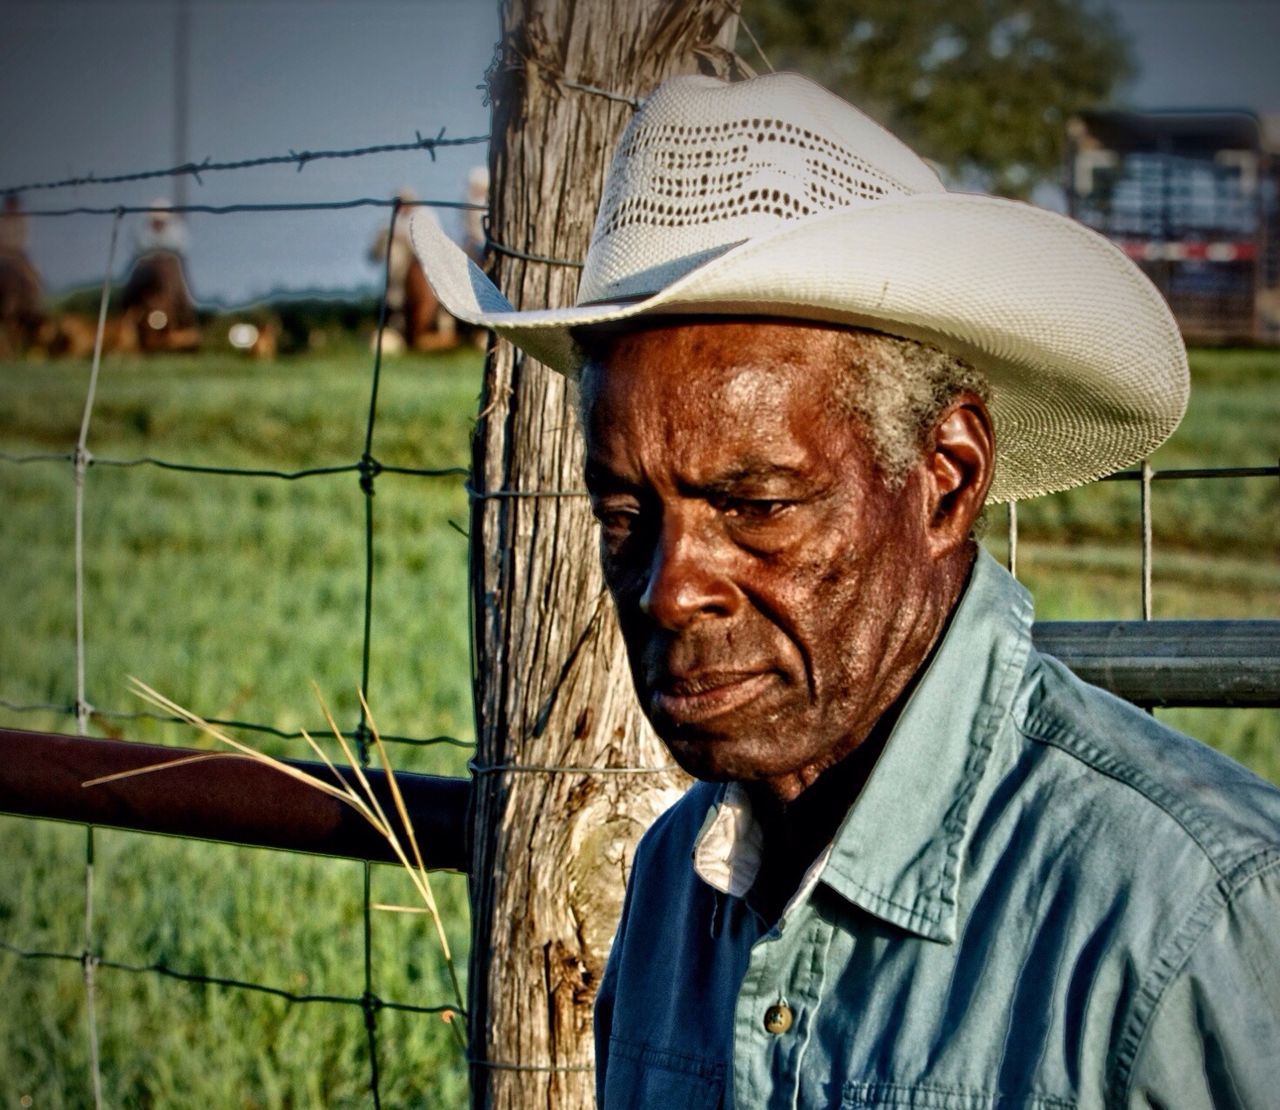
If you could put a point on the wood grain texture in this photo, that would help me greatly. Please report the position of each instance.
(552, 849)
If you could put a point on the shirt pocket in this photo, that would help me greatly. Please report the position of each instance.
(643, 1077)
(924, 1096)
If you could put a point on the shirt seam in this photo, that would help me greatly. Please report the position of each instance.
(1169, 964)
(1048, 1102)
(874, 896)
(686, 1064)
(1066, 740)
(820, 939)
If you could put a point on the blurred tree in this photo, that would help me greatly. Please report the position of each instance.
(982, 87)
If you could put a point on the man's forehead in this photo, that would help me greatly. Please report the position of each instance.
(700, 355)
(722, 397)
(690, 375)
(710, 331)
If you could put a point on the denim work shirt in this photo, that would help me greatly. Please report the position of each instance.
(1041, 898)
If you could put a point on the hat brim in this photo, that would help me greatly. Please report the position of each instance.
(1087, 367)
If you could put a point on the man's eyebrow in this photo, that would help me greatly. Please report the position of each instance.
(598, 474)
(746, 473)
(751, 472)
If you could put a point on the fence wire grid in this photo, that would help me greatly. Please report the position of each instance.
(368, 469)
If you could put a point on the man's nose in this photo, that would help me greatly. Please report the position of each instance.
(687, 579)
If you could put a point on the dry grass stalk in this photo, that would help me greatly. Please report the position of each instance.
(365, 802)
(204, 757)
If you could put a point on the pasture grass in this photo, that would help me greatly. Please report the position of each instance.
(231, 594)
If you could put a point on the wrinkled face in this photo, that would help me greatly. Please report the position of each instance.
(768, 584)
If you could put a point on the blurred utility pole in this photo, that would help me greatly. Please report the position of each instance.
(181, 93)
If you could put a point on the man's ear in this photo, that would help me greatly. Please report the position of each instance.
(958, 464)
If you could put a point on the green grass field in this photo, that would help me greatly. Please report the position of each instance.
(233, 594)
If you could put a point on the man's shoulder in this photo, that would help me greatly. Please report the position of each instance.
(1158, 781)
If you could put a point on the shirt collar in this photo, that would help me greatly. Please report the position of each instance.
(897, 854)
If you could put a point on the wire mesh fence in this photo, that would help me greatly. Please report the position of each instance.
(353, 603)
(92, 703)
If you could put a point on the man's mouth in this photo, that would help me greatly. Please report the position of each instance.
(697, 698)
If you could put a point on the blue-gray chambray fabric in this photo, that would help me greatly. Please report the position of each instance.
(1042, 898)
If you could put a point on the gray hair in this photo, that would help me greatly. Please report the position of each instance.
(898, 388)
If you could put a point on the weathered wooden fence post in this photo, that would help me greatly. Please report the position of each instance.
(552, 844)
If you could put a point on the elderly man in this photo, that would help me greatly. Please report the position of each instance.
(925, 866)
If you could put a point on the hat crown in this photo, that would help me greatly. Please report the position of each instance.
(771, 197)
(705, 165)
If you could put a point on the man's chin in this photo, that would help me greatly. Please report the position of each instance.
(712, 758)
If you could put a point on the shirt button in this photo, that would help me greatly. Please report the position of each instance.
(778, 1019)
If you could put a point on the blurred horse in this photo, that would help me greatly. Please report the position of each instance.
(21, 314)
(74, 335)
(413, 312)
(427, 326)
(157, 303)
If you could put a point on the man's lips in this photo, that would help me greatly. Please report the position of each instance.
(695, 698)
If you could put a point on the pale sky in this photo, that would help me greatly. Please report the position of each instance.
(1205, 53)
(87, 86)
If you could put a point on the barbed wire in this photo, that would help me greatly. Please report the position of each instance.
(632, 102)
(299, 158)
(368, 467)
(231, 209)
(558, 77)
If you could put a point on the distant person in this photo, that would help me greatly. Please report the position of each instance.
(414, 317)
(157, 300)
(162, 231)
(13, 225)
(21, 315)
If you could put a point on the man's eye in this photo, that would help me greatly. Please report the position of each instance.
(615, 520)
(752, 510)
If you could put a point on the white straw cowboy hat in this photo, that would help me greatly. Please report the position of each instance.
(773, 197)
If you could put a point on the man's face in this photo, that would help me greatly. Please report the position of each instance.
(770, 588)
